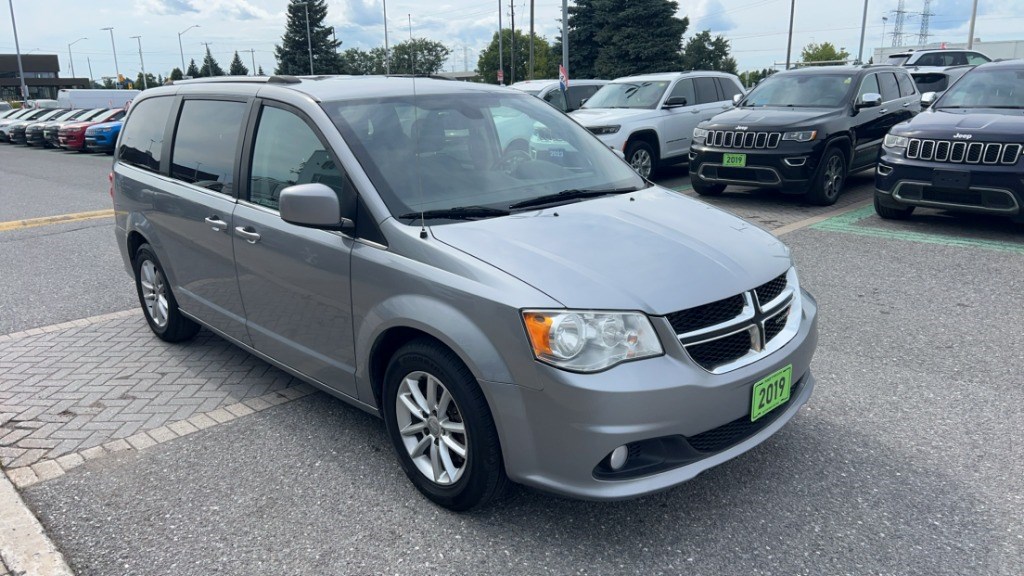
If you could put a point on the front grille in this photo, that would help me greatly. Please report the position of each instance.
(743, 139)
(732, 433)
(715, 353)
(707, 315)
(770, 290)
(958, 152)
(724, 331)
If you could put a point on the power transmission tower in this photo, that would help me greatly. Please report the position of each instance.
(926, 15)
(897, 28)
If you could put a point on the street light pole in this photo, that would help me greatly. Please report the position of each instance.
(71, 58)
(387, 53)
(17, 49)
(970, 30)
(501, 49)
(884, 20)
(309, 39)
(145, 83)
(863, 30)
(117, 68)
(789, 44)
(182, 51)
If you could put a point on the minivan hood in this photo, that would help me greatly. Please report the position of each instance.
(655, 250)
(605, 116)
(769, 117)
(981, 125)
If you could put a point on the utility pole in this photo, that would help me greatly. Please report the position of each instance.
(863, 30)
(71, 58)
(531, 39)
(117, 68)
(309, 39)
(789, 43)
(387, 53)
(89, 62)
(565, 36)
(145, 83)
(897, 27)
(512, 65)
(412, 50)
(252, 53)
(970, 30)
(501, 49)
(17, 48)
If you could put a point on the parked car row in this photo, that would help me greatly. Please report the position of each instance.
(81, 129)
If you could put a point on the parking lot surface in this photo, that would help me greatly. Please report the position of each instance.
(907, 460)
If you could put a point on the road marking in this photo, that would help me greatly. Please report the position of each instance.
(845, 223)
(819, 218)
(60, 219)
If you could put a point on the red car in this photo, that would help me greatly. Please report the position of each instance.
(72, 136)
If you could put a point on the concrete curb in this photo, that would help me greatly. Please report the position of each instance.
(24, 546)
(71, 324)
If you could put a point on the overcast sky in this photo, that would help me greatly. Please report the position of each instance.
(757, 28)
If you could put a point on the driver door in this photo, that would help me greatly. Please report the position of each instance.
(676, 130)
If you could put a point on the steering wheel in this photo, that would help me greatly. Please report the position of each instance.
(516, 153)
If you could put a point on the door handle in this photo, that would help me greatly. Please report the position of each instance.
(883, 110)
(250, 235)
(905, 104)
(216, 223)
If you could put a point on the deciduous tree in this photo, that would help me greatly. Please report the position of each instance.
(824, 52)
(702, 52)
(487, 64)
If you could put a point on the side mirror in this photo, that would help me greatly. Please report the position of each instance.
(869, 100)
(675, 102)
(928, 98)
(736, 99)
(313, 206)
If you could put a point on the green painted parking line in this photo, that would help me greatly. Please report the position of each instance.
(682, 188)
(845, 223)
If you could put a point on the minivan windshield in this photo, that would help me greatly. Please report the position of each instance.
(484, 151)
(986, 88)
(640, 94)
(801, 90)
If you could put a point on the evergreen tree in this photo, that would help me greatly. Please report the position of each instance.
(705, 53)
(151, 81)
(210, 65)
(487, 64)
(645, 36)
(587, 18)
(260, 72)
(176, 74)
(237, 68)
(193, 70)
(293, 51)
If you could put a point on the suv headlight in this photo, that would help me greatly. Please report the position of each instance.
(602, 130)
(893, 141)
(699, 134)
(802, 136)
(589, 341)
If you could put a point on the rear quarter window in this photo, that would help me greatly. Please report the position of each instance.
(906, 84)
(206, 143)
(142, 137)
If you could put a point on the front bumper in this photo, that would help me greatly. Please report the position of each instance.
(34, 138)
(556, 438)
(99, 142)
(16, 136)
(986, 189)
(790, 167)
(72, 141)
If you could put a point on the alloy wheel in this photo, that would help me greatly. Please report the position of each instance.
(833, 176)
(432, 428)
(641, 162)
(154, 292)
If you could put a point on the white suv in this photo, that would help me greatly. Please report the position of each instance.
(940, 58)
(651, 117)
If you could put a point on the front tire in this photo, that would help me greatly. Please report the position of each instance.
(888, 213)
(441, 427)
(828, 184)
(640, 156)
(157, 301)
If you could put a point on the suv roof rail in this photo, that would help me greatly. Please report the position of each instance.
(224, 79)
(431, 76)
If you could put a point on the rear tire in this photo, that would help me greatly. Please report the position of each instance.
(831, 177)
(888, 213)
(640, 156)
(157, 301)
(428, 430)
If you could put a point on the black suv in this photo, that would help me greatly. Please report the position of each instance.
(964, 153)
(803, 131)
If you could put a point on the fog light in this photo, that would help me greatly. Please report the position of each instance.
(618, 457)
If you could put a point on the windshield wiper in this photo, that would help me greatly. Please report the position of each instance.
(458, 213)
(566, 195)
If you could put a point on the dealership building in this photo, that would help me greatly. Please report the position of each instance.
(42, 77)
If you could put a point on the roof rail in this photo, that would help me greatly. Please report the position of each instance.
(225, 80)
(432, 76)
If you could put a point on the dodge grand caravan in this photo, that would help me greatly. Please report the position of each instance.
(541, 316)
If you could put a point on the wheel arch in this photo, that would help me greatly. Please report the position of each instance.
(649, 136)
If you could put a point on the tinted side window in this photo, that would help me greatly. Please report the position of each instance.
(906, 84)
(556, 99)
(706, 91)
(304, 160)
(143, 136)
(930, 60)
(975, 58)
(684, 88)
(206, 143)
(890, 88)
(728, 87)
(869, 86)
(579, 93)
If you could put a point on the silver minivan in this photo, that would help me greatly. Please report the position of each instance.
(471, 265)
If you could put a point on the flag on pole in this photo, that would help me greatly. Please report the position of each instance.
(563, 78)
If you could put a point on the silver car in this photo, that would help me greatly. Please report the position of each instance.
(539, 315)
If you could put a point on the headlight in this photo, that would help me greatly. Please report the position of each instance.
(699, 134)
(103, 130)
(588, 341)
(893, 141)
(601, 130)
(804, 136)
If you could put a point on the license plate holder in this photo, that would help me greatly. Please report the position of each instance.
(955, 179)
(734, 160)
(770, 392)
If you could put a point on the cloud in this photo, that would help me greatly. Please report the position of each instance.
(362, 12)
(168, 7)
(710, 15)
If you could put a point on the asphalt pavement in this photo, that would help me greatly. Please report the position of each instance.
(908, 459)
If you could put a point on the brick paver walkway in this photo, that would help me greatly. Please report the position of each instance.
(66, 390)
